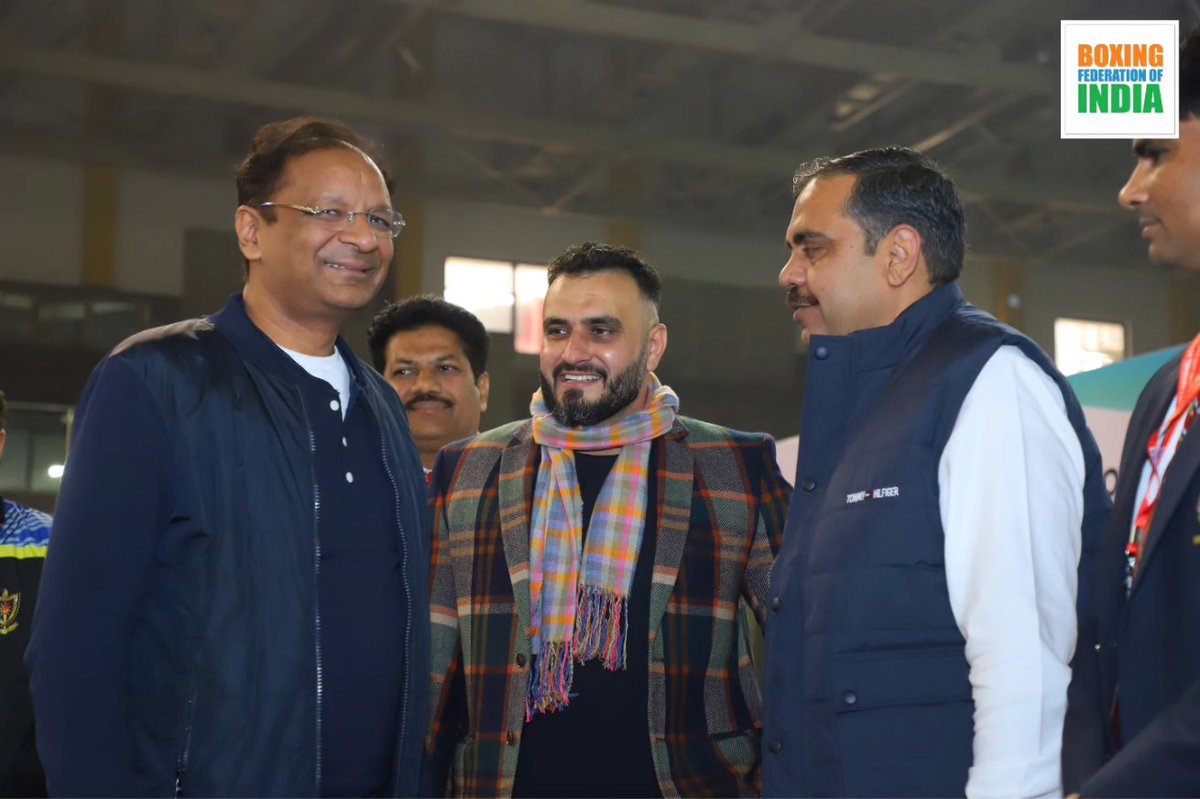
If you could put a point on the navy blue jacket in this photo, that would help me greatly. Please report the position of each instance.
(175, 645)
(867, 682)
(1148, 644)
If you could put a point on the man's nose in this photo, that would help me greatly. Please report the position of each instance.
(792, 272)
(577, 349)
(427, 382)
(1133, 193)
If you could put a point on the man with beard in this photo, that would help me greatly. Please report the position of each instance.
(589, 566)
(434, 353)
(923, 604)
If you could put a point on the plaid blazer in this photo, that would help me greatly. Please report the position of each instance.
(721, 508)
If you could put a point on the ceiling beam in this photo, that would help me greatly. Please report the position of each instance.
(476, 191)
(245, 90)
(760, 41)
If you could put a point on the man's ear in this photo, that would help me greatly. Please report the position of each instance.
(247, 222)
(903, 245)
(484, 384)
(656, 345)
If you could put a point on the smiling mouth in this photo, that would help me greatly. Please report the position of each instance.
(578, 377)
(350, 268)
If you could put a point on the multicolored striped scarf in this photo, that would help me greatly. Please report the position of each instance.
(578, 614)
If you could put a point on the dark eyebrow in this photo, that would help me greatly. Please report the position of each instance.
(591, 321)
(1143, 147)
(440, 358)
(607, 321)
(801, 237)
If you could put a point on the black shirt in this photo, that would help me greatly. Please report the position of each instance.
(599, 745)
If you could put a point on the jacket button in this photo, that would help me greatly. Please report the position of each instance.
(521, 659)
(1098, 647)
(821, 353)
(849, 697)
(776, 603)
(510, 737)
(808, 484)
(775, 747)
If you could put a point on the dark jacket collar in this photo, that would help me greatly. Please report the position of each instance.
(884, 347)
(255, 346)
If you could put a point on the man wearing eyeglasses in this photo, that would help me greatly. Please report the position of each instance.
(236, 602)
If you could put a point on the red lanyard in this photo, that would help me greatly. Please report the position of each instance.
(1187, 395)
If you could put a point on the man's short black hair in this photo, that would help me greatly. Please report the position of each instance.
(590, 257)
(1189, 74)
(3, 411)
(899, 186)
(426, 310)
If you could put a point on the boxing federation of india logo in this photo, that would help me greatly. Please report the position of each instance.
(1120, 79)
(10, 604)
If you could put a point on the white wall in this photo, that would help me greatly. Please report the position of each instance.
(1137, 297)
(489, 231)
(41, 224)
(153, 210)
(41, 212)
(752, 261)
(41, 218)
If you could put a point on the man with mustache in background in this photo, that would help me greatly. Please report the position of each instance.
(434, 353)
(923, 604)
(589, 568)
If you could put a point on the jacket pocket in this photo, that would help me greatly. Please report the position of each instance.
(741, 753)
(904, 721)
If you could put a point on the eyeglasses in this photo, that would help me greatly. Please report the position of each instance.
(382, 221)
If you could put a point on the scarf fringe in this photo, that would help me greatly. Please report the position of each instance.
(601, 630)
(550, 679)
(601, 626)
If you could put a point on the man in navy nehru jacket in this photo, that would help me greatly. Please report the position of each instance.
(923, 603)
(236, 600)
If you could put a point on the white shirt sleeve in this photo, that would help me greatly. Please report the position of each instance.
(1011, 500)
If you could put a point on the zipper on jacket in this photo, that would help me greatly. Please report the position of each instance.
(181, 763)
(408, 616)
(320, 686)
(317, 608)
